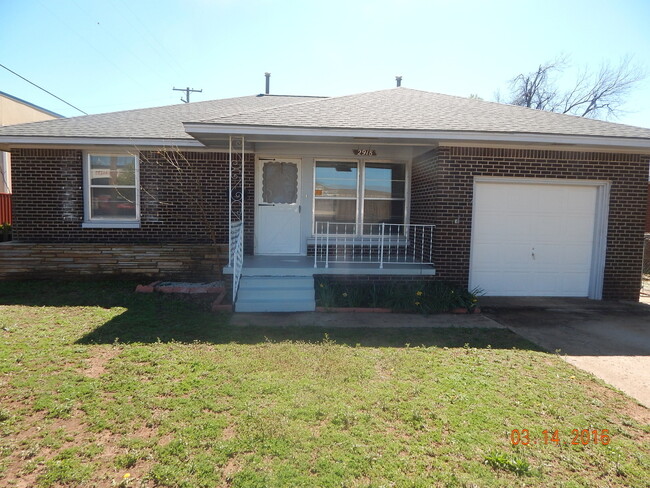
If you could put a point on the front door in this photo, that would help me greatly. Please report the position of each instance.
(277, 220)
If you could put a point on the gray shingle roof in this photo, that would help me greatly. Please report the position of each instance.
(149, 123)
(394, 109)
(408, 109)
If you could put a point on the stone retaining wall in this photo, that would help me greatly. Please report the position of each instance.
(195, 262)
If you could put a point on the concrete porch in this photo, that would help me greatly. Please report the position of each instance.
(286, 283)
(304, 266)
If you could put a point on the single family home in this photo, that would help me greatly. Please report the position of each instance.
(396, 184)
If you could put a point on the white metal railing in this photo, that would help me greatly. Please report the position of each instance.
(343, 242)
(236, 255)
(236, 167)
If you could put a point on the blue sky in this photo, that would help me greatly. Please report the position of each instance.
(108, 55)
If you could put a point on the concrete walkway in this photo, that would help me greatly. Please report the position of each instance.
(608, 339)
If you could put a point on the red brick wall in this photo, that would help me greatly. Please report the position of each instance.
(443, 188)
(48, 199)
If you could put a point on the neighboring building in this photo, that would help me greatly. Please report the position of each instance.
(393, 184)
(16, 111)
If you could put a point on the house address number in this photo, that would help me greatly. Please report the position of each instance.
(364, 152)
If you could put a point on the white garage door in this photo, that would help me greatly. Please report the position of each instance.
(533, 239)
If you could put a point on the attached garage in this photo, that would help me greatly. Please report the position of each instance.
(538, 237)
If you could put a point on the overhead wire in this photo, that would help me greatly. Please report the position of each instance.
(41, 88)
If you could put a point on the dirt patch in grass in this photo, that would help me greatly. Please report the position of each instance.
(232, 466)
(99, 358)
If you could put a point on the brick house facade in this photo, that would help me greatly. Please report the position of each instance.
(184, 210)
(49, 201)
(450, 171)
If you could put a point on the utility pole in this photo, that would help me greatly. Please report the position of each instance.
(187, 93)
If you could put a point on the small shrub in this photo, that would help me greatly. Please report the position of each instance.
(505, 462)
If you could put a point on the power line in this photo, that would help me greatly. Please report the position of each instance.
(41, 88)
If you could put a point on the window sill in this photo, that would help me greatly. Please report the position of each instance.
(111, 224)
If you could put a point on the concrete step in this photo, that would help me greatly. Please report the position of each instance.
(276, 294)
(276, 306)
(279, 294)
(277, 281)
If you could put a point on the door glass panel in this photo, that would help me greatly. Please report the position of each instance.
(279, 182)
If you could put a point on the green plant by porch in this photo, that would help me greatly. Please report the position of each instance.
(415, 297)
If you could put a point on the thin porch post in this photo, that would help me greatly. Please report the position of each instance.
(236, 173)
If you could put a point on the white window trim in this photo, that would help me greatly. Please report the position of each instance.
(112, 223)
(360, 197)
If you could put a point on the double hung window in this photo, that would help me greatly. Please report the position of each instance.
(112, 189)
(357, 196)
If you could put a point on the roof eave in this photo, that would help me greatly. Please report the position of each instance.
(211, 132)
(12, 141)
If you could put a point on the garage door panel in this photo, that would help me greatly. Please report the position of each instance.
(533, 239)
(575, 284)
(583, 199)
(512, 285)
(558, 256)
(551, 200)
(493, 256)
(546, 226)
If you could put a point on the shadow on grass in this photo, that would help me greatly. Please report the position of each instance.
(150, 318)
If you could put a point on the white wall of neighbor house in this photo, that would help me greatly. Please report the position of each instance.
(310, 153)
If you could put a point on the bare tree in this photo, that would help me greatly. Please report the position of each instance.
(188, 183)
(597, 94)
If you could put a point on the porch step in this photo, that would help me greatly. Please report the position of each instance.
(276, 294)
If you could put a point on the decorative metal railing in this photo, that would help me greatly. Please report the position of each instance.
(336, 242)
(236, 164)
(236, 256)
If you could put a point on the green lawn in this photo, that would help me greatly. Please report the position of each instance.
(97, 382)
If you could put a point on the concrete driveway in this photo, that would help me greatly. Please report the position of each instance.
(608, 339)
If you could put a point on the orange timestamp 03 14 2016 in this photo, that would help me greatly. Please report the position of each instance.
(579, 437)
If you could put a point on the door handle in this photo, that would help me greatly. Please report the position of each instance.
(266, 204)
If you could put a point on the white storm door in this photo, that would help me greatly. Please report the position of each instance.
(533, 239)
(277, 220)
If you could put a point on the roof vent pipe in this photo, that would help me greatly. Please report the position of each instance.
(268, 82)
(398, 79)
